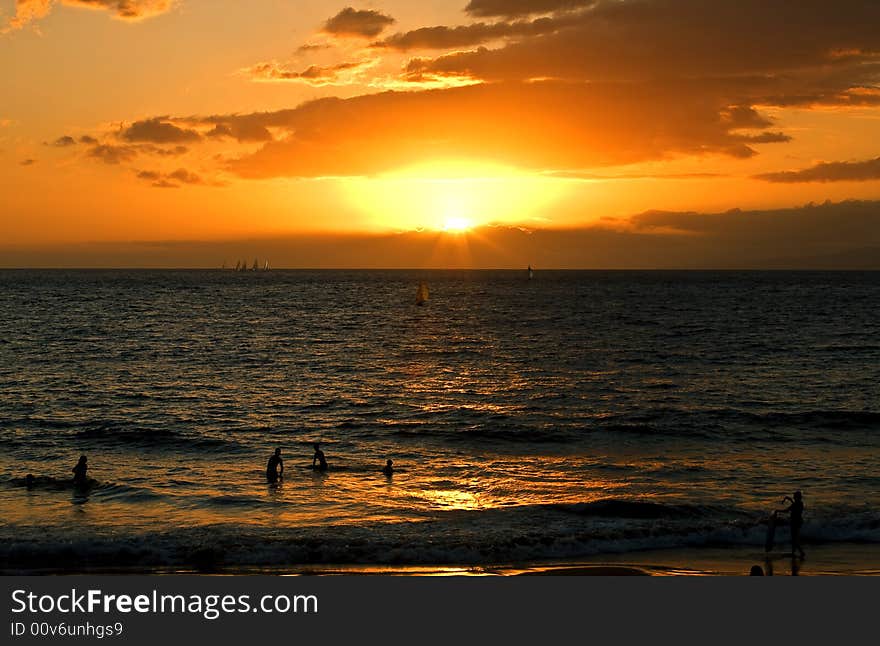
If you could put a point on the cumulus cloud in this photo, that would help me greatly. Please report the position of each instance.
(185, 176)
(847, 171)
(28, 162)
(363, 23)
(159, 131)
(64, 142)
(27, 11)
(169, 180)
(314, 75)
(149, 175)
(87, 139)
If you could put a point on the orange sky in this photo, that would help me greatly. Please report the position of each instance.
(193, 122)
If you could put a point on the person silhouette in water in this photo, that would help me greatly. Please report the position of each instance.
(319, 458)
(388, 469)
(796, 519)
(275, 468)
(79, 472)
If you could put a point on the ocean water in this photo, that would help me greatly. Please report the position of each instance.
(579, 413)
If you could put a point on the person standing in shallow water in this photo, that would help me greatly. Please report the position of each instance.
(388, 469)
(275, 468)
(80, 470)
(796, 521)
(319, 459)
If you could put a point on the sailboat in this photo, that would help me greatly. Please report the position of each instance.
(256, 266)
(266, 266)
(422, 294)
(531, 273)
(238, 265)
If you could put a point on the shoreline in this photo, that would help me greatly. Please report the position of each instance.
(843, 559)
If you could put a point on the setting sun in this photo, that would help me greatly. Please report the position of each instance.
(454, 196)
(456, 224)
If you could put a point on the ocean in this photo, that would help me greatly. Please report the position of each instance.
(575, 414)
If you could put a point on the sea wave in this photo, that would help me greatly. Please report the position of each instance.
(489, 537)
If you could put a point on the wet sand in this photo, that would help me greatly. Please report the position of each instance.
(840, 559)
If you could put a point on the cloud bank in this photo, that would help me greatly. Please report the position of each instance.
(849, 171)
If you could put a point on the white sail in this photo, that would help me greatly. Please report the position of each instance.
(422, 295)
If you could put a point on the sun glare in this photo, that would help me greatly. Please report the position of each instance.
(456, 224)
(454, 197)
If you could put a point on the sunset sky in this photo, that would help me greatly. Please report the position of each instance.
(494, 133)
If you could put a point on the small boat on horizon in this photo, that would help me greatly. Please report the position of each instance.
(242, 265)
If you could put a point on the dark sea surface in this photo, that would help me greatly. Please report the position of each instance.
(575, 414)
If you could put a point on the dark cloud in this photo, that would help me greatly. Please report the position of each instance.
(734, 46)
(794, 229)
(117, 154)
(170, 180)
(86, 139)
(176, 151)
(313, 75)
(158, 131)
(442, 37)
(243, 130)
(312, 47)
(510, 8)
(64, 142)
(363, 23)
(28, 162)
(149, 175)
(110, 154)
(184, 176)
(850, 171)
